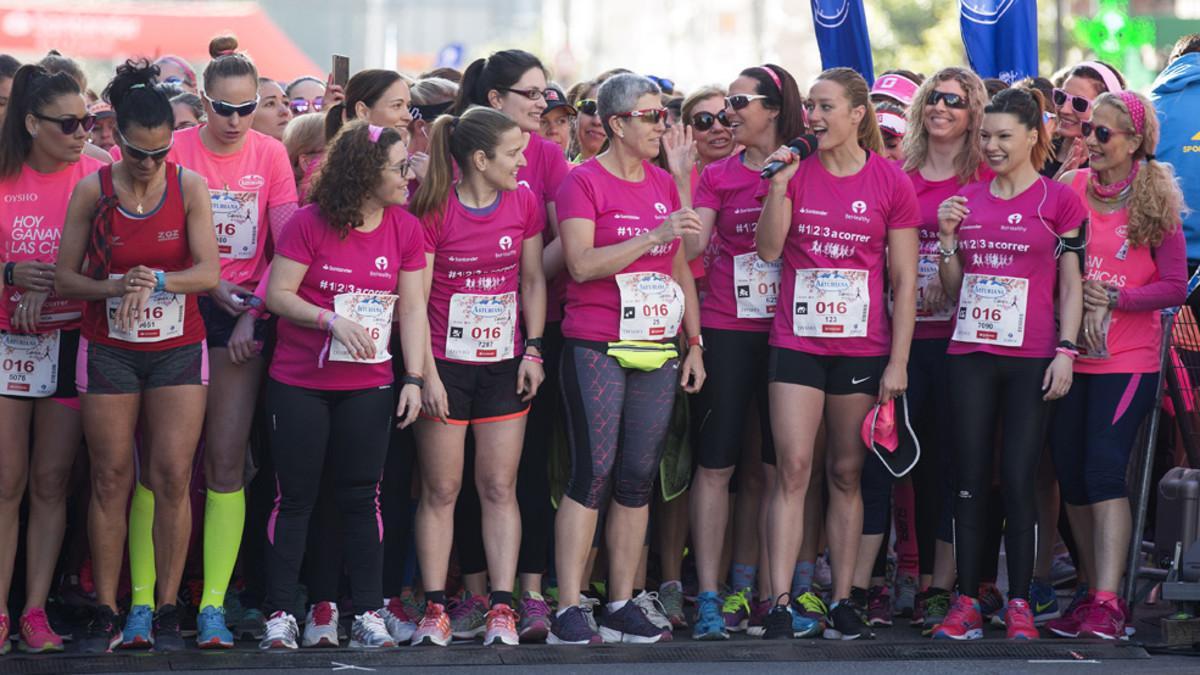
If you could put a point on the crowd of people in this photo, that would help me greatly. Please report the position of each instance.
(450, 356)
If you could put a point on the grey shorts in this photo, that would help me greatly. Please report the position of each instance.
(113, 370)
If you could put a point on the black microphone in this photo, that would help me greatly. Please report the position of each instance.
(802, 147)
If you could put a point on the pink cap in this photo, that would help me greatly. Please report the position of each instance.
(891, 122)
(896, 87)
(879, 427)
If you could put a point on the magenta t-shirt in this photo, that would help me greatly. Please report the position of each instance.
(361, 263)
(837, 246)
(729, 188)
(1012, 247)
(544, 170)
(621, 210)
(478, 259)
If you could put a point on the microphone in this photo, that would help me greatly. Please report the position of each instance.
(802, 147)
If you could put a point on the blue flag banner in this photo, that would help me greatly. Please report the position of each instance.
(842, 36)
(1001, 37)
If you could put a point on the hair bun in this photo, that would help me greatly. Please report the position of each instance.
(222, 45)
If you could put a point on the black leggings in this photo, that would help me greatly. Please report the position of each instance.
(984, 387)
(617, 421)
(307, 426)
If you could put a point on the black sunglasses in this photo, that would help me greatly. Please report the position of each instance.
(1079, 103)
(703, 121)
(70, 124)
(533, 93)
(952, 100)
(739, 101)
(227, 109)
(1103, 134)
(588, 106)
(136, 154)
(301, 106)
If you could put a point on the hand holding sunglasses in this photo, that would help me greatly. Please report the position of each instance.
(70, 124)
(227, 109)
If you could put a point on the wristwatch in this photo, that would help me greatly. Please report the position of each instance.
(535, 343)
(696, 341)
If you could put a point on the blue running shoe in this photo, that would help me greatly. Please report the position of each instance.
(211, 631)
(710, 624)
(803, 626)
(1044, 601)
(139, 628)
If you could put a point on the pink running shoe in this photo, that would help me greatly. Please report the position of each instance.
(5, 645)
(1067, 625)
(36, 634)
(962, 622)
(434, 628)
(1103, 620)
(1018, 618)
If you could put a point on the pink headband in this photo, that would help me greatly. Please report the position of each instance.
(1110, 78)
(897, 87)
(774, 78)
(227, 52)
(1137, 111)
(374, 132)
(892, 122)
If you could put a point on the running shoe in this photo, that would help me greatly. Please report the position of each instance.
(589, 606)
(251, 626)
(413, 608)
(5, 643)
(654, 612)
(1103, 620)
(990, 600)
(802, 626)
(211, 631)
(102, 633)
(370, 632)
(571, 627)
(139, 628)
(1018, 617)
(937, 606)
(822, 573)
(813, 608)
(1062, 571)
(396, 620)
(1067, 625)
(711, 622)
(778, 624)
(759, 609)
(846, 623)
(535, 618)
(918, 613)
(36, 634)
(906, 596)
(963, 622)
(879, 606)
(468, 617)
(735, 611)
(1127, 616)
(167, 635)
(630, 625)
(670, 598)
(321, 626)
(1044, 601)
(434, 628)
(281, 632)
(501, 622)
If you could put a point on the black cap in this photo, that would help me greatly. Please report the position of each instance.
(555, 99)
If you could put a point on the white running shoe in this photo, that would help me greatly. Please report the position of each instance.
(281, 632)
(653, 609)
(589, 606)
(399, 626)
(321, 626)
(370, 632)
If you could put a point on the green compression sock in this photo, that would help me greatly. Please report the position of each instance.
(141, 546)
(224, 516)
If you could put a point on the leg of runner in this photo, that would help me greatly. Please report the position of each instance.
(672, 528)
(440, 461)
(58, 430)
(496, 466)
(15, 417)
(796, 413)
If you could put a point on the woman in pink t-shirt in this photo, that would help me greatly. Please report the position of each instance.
(765, 110)
(345, 265)
(1136, 266)
(1008, 248)
(39, 334)
(483, 248)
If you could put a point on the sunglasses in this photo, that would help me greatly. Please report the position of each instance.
(136, 154)
(1080, 104)
(952, 100)
(1103, 134)
(533, 93)
(703, 121)
(740, 101)
(227, 109)
(649, 115)
(70, 124)
(587, 106)
(301, 106)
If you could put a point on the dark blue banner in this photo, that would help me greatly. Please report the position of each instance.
(842, 36)
(1001, 37)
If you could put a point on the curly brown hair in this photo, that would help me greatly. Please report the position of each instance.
(350, 174)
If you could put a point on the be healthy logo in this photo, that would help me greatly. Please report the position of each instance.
(830, 13)
(986, 12)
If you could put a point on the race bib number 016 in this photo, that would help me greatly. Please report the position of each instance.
(235, 218)
(651, 306)
(991, 310)
(161, 318)
(482, 328)
(831, 303)
(372, 312)
(756, 286)
(29, 364)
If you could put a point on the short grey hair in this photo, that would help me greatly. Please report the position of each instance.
(620, 94)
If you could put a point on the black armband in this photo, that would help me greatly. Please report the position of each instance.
(1077, 245)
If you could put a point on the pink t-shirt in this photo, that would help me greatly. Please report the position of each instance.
(478, 255)
(838, 242)
(243, 186)
(698, 266)
(31, 222)
(546, 167)
(360, 263)
(1007, 238)
(732, 190)
(621, 210)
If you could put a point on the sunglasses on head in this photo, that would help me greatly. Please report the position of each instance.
(1103, 134)
(227, 109)
(740, 101)
(649, 115)
(703, 121)
(532, 93)
(70, 124)
(136, 154)
(1078, 103)
(301, 106)
(951, 100)
(587, 106)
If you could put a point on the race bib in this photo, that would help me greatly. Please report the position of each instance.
(651, 306)
(372, 312)
(927, 275)
(161, 318)
(831, 303)
(29, 364)
(755, 286)
(482, 328)
(991, 310)
(235, 219)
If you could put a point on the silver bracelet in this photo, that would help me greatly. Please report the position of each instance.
(947, 254)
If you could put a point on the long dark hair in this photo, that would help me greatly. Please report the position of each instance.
(367, 86)
(135, 98)
(350, 173)
(784, 97)
(498, 71)
(33, 89)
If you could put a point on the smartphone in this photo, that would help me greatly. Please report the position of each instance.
(341, 69)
